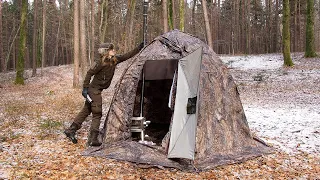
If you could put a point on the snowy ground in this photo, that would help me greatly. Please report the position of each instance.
(282, 105)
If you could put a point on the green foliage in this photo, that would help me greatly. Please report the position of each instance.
(48, 128)
(10, 135)
(50, 124)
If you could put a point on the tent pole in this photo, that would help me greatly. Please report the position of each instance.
(145, 15)
(142, 95)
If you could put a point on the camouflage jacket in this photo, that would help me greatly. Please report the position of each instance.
(104, 71)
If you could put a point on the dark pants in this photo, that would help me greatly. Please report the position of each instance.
(95, 108)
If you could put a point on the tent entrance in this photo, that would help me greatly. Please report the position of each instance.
(158, 75)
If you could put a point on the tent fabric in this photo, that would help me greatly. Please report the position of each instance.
(222, 132)
(183, 132)
(159, 69)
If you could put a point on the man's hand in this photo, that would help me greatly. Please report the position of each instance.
(85, 92)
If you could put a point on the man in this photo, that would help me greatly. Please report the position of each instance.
(103, 72)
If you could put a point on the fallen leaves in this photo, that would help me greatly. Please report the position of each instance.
(33, 146)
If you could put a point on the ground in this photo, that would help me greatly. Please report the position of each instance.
(282, 106)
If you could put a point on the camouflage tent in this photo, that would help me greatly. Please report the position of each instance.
(222, 134)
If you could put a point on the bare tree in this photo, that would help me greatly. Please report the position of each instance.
(44, 22)
(2, 60)
(294, 38)
(165, 16)
(103, 20)
(56, 49)
(170, 15)
(130, 34)
(182, 4)
(83, 47)
(35, 35)
(92, 30)
(310, 48)
(76, 41)
(193, 17)
(286, 34)
(22, 43)
(248, 28)
(126, 24)
(206, 20)
(276, 28)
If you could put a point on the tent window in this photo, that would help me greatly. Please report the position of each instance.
(191, 106)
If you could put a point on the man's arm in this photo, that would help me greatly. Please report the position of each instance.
(95, 68)
(130, 54)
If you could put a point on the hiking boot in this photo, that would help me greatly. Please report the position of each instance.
(94, 138)
(71, 133)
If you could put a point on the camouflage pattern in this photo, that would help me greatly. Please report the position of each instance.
(223, 135)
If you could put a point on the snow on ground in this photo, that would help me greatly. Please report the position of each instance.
(282, 105)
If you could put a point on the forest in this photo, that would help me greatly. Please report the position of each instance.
(270, 48)
(228, 26)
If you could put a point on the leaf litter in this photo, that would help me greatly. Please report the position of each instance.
(282, 106)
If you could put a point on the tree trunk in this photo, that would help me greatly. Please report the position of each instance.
(248, 22)
(44, 22)
(237, 26)
(268, 22)
(218, 24)
(234, 21)
(7, 43)
(193, 16)
(286, 34)
(63, 32)
(240, 26)
(318, 48)
(170, 10)
(173, 14)
(310, 47)
(13, 45)
(206, 20)
(35, 37)
(126, 25)
(92, 30)
(276, 28)
(2, 60)
(56, 51)
(83, 47)
(299, 36)
(103, 21)
(22, 43)
(130, 34)
(182, 5)
(165, 16)
(76, 41)
(294, 39)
